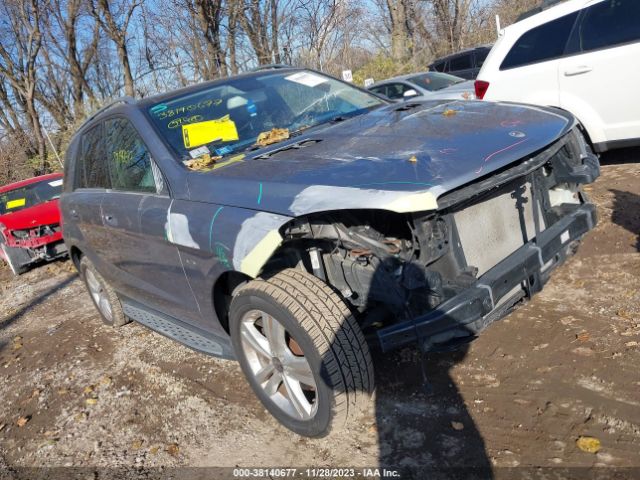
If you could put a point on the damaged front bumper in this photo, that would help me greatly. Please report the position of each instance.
(498, 291)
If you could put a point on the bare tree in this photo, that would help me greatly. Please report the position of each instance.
(19, 49)
(114, 18)
(400, 18)
(208, 13)
(260, 21)
(62, 26)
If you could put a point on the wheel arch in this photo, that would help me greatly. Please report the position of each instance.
(222, 293)
(75, 254)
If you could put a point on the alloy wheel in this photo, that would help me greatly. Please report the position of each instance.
(278, 364)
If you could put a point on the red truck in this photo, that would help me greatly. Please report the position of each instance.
(30, 229)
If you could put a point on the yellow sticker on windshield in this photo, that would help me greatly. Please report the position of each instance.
(20, 202)
(201, 133)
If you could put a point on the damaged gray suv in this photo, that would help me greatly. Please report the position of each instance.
(293, 221)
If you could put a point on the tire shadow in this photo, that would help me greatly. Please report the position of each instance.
(426, 431)
(626, 212)
(621, 156)
(37, 300)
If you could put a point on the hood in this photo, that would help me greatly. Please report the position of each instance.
(400, 157)
(46, 213)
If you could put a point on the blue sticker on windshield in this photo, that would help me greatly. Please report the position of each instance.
(223, 150)
(252, 108)
(158, 108)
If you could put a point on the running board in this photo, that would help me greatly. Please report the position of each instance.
(174, 329)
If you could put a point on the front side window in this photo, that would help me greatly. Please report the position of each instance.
(382, 90)
(130, 165)
(545, 42)
(609, 23)
(396, 90)
(91, 165)
(30, 195)
(228, 118)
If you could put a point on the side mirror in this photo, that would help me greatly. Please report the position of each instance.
(410, 93)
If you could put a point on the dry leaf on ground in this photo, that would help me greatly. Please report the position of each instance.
(457, 425)
(22, 421)
(588, 444)
(173, 449)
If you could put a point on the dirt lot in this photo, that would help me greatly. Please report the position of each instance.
(563, 366)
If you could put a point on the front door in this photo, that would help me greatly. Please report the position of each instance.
(599, 83)
(145, 266)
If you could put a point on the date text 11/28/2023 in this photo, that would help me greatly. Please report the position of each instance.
(314, 473)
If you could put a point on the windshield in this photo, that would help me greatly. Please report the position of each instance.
(433, 81)
(254, 111)
(30, 195)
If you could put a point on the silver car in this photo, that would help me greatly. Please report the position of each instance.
(425, 86)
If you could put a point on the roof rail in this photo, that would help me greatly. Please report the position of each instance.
(126, 99)
(540, 8)
(271, 66)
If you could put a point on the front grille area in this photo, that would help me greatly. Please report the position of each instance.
(36, 232)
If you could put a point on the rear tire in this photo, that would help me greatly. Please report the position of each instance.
(103, 296)
(302, 352)
(17, 259)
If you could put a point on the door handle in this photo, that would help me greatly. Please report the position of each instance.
(582, 69)
(74, 214)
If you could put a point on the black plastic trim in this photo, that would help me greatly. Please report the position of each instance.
(528, 267)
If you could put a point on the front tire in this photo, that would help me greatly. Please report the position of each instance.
(302, 352)
(103, 296)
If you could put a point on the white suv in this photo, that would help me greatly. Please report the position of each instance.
(582, 56)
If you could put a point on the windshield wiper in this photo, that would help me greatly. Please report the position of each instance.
(291, 146)
(338, 119)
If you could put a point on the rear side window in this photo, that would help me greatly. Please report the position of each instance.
(545, 42)
(128, 158)
(609, 23)
(462, 62)
(91, 165)
(481, 56)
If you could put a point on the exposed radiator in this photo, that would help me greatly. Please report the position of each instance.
(494, 228)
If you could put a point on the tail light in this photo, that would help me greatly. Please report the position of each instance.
(481, 89)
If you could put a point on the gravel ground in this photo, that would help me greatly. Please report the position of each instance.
(564, 366)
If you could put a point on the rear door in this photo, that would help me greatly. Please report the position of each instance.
(82, 206)
(529, 72)
(145, 266)
(599, 82)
